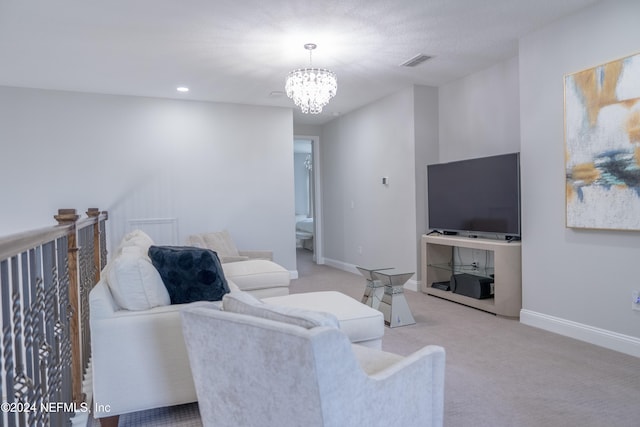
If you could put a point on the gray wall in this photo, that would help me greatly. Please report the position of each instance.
(306, 130)
(479, 114)
(149, 158)
(427, 150)
(365, 222)
(572, 275)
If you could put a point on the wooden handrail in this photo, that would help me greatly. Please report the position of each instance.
(15, 244)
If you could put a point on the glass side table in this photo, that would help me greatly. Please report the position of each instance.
(374, 290)
(394, 305)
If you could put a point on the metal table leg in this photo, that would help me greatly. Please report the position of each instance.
(394, 305)
(374, 289)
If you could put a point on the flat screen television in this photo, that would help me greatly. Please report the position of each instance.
(476, 197)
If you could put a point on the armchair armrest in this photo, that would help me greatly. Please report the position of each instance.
(427, 363)
(416, 381)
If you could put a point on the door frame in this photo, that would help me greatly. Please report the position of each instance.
(318, 241)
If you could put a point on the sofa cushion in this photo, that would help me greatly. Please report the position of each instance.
(134, 281)
(359, 321)
(256, 274)
(197, 241)
(189, 273)
(221, 242)
(245, 303)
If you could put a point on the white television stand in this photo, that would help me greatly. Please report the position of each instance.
(438, 265)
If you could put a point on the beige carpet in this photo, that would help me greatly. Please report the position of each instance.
(499, 372)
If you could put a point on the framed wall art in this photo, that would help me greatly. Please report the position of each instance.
(602, 143)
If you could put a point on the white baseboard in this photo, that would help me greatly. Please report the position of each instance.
(600, 337)
(351, 268)
(293, 274)
(412, 285)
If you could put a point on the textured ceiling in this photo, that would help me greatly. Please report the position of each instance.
(240, 51)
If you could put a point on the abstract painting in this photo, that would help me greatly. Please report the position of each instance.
(602, 142)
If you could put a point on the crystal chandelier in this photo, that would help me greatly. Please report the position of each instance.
(311, 88)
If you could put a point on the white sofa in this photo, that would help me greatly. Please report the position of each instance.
(138, 356)
(260, 277)
(225, 247)
(139, 359)
(251, 270)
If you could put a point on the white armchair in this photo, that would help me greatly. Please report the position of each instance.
(222, 243)
(256, 372)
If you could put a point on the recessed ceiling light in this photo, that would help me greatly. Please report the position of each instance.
(182, 89)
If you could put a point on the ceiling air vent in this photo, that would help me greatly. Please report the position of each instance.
(416, 60)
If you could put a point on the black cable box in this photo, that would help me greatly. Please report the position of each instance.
(443, 286)
(473, 286)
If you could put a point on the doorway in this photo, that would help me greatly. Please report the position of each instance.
(308, 209)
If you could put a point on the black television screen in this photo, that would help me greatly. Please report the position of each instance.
(476, 196)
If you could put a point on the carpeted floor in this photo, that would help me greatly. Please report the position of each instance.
(499, 372)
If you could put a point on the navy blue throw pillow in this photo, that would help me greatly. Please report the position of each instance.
(189, 273)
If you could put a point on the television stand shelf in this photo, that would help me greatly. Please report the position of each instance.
(437, 266)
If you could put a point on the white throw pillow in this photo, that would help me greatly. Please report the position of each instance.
(196, 241)
(244, 303)
(222, 243)
(134, 281)
(136, 238)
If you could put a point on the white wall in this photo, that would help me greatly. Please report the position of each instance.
(149, 158)
(427, 151)
(577, 282)
(304, 129)
(358, 149)
(301, 181)
(479, 114)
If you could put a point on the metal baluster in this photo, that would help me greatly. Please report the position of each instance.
(64, 318)
(49, 353)
(28, 296)
(103, 244)
(21, 383)
(7, 339)
(36, 308)
(40, 344)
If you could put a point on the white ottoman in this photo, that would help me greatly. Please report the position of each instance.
(261, 277)
(362, 324)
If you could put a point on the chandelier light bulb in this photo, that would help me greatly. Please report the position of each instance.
(311, 88)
